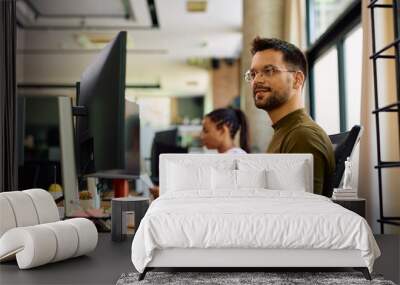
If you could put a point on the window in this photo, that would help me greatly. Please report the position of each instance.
(353, 70)
(335, 60)
(327, 92)
(323, 13)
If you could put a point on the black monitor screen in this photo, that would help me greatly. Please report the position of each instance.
(107, 136)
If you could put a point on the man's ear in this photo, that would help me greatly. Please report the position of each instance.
(298, 80)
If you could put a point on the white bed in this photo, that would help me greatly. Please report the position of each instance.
(231, 211)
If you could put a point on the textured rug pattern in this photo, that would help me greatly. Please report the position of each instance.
(225, 278)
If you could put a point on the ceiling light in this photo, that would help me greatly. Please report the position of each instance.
(97, 40)
(196, 6)
(192, 83)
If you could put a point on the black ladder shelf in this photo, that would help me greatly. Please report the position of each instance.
(394, 107)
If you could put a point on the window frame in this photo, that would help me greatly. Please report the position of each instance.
(334, 35)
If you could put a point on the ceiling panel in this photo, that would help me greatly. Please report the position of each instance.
(180, 34)
(83, 14)
(79, 7)
(220, 15)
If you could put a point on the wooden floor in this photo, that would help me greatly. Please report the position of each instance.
(111, 259)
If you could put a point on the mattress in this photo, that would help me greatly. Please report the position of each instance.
(251, 219)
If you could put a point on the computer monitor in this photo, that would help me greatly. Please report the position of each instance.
(107, 128)
(163, 142)
(38, 141)
(169, 136)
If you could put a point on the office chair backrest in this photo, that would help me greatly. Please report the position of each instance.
(157, 149)
(343, 146)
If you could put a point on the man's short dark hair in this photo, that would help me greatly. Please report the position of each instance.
(292, 55)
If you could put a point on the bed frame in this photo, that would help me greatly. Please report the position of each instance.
(244, 259)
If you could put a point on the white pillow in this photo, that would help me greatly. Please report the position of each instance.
(223, 179)
(293, 179)
(182, 177)
(251, 178)
(281, 174)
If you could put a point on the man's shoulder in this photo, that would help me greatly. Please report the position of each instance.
(308, 137)
(307, 131)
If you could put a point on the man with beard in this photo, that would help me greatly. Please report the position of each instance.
(277, 75)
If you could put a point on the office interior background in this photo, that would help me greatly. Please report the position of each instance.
(186, 58)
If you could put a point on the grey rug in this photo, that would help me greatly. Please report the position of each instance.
(225, 278)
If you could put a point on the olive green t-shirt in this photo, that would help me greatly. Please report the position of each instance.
(298, 133)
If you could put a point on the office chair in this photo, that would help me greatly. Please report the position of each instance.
(157, 149)
(343, 146)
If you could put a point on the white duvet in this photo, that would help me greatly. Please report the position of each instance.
(256, 218)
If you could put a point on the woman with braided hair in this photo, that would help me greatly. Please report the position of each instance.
(220, 128)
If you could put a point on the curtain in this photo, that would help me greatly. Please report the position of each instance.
(368, 175)
(8, 160)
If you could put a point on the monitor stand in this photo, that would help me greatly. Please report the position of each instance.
(120, 187)
(68, 169)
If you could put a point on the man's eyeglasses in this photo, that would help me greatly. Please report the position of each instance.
(269, 71)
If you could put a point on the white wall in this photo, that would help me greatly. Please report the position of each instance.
(175, 78)
(59, 57)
